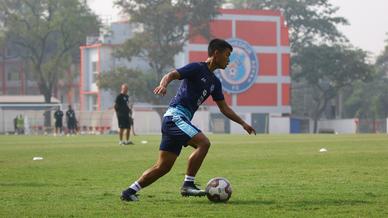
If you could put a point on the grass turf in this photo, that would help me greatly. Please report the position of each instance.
(271, 176)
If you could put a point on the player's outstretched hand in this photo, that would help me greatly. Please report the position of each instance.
(160, 90)
(249, 129)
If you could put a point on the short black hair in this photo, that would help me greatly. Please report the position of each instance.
(218, 44)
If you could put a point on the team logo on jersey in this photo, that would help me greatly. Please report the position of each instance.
(211, 88)
(242, 70)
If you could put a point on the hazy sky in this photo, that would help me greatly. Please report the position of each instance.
(368, 21)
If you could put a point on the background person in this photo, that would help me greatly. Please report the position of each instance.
(58, 116)
(123, 113)
(71, 120)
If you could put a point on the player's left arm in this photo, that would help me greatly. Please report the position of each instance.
(229, 113)
(162, 88)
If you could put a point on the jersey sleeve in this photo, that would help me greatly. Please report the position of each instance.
(188, 70)
(217, 94)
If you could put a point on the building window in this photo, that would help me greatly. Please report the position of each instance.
(94, 72)
(94, 66)
(13, 76)
(94, 77)
(93, 102)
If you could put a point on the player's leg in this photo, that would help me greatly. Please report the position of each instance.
(68, 127)
(133, 128)
(177, 131)
(120, 125)
(124, 127)
(183, 132)
(57, 129)
(121, 133)
(201, 144)
(73, 127)
(163, 165)
(127, 136)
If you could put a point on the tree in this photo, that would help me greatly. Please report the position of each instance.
(329, 69)
(382, 61)
(47, 33)
(370, 100)
(311, 22)
(113, 81)
(162, 33)
(163, 24)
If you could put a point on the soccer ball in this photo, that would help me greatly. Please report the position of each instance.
(218, 190)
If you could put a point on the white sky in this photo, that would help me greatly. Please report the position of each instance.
(368, 23)
(367, 30)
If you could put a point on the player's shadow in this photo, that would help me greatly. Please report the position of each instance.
(252, 202)
(303, 203)
(238, 202)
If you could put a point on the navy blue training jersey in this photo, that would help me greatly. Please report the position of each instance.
(58, 115)
(198, 83)
(121, 104)
(70, 114)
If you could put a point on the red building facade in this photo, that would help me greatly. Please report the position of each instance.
(257, 80)
(267, 35)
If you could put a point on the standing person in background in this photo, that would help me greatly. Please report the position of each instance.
(58, 116)
(71, 120)
(123, 115)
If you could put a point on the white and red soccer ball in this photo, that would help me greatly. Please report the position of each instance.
(218, 190)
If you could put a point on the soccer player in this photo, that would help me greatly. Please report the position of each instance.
(71, 121)
(58, 115)
(198, 82)
(123, 115)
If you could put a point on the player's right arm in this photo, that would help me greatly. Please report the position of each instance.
(161, 89)
(228, 112)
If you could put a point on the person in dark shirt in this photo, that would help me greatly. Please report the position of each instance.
(198, 83)
(58, 116)
(123, 115)
(71, 121)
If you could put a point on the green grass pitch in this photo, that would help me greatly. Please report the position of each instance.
(271, 176)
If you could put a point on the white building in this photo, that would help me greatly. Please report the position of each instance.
(97, 58)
